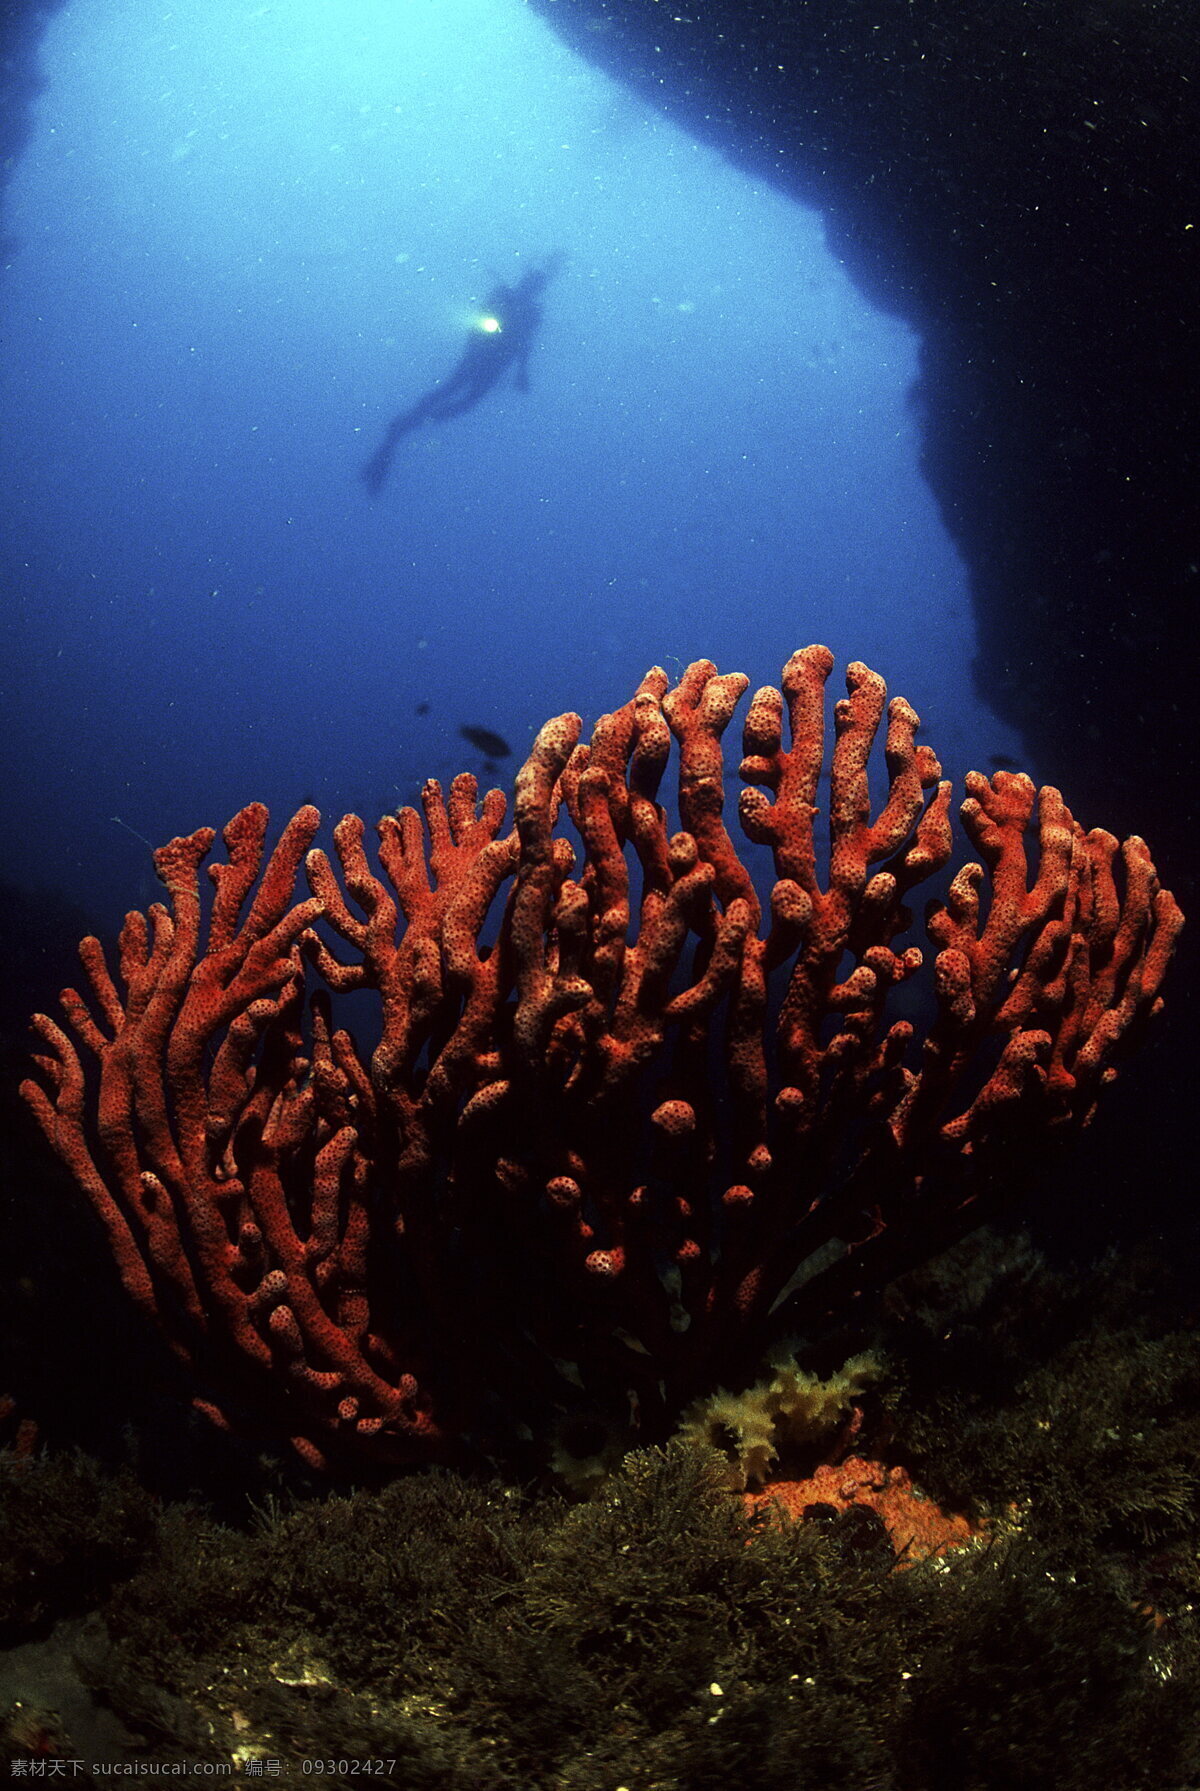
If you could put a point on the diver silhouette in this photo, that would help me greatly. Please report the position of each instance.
(503, 337)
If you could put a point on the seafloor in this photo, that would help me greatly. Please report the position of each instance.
(459, 1635)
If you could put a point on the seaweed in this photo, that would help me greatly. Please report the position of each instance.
(473, 1635)
(68, 1531)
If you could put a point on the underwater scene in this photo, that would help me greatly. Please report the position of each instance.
(599, 749)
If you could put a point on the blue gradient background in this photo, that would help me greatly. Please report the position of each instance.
(241, 239)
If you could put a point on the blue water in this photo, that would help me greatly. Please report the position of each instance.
(243, 238)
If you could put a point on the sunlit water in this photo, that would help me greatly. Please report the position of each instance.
(243, 237)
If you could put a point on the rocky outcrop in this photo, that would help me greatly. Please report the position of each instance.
(1016, 183)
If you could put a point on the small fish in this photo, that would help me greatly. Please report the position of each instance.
(492, 746)
(422, 708)
(1002, 761)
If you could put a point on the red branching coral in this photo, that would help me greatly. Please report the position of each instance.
(624, 1120)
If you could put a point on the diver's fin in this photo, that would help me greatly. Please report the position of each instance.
(374, 474)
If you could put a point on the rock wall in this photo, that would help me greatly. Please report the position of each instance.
(1020, 184)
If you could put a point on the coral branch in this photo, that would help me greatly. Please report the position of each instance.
(632, 1109)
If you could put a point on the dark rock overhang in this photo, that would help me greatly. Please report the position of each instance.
(1020, 184)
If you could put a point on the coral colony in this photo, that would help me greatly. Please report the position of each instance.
(606, 1158)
